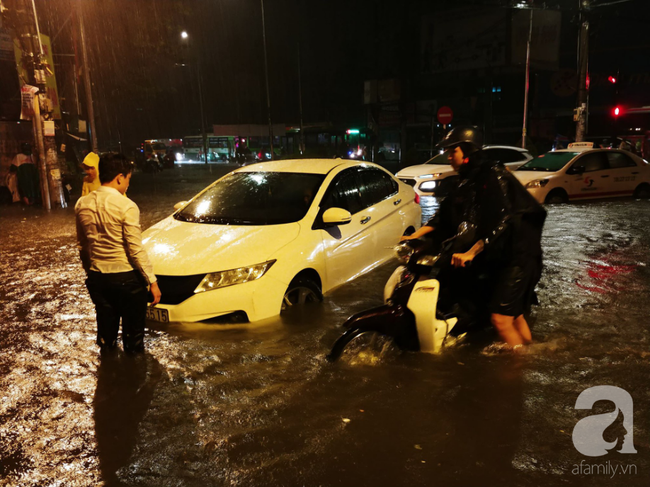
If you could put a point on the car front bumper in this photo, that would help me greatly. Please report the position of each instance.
(259, 299)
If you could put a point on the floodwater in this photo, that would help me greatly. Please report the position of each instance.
(244, 405)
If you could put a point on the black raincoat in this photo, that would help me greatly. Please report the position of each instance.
(508, 219)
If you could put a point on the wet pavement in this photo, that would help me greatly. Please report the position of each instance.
(249, 405)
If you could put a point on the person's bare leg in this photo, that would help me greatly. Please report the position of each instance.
(506, 329)
(521, 325)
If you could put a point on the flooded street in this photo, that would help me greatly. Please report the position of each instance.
(259, 405)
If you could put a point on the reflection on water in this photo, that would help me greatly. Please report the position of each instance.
(259, 405)
(125, 387)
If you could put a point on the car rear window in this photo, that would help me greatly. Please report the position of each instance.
(254, 198)
(551, 161)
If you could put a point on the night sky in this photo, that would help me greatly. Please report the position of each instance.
(145, 76)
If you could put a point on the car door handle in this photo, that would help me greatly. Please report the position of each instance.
(365, 220)
(397, 202)
(605, 176)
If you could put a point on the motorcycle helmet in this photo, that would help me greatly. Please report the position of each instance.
(470, 137)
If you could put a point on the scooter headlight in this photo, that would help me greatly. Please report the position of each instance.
(216, 280)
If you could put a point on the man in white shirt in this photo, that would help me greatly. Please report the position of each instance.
(117, 266)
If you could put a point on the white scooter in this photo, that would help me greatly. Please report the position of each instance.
(411, 315)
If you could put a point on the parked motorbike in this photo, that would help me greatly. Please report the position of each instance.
(152, 164)
(421, 312)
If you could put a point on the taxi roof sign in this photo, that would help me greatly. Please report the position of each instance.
(581, 145)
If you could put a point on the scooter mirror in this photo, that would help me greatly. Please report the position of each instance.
(403, 251)
(179, 205)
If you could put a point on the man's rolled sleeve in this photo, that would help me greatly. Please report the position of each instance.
(82, 244)
(133, 240)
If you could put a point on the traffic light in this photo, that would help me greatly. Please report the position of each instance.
(617, 111)
(612, 80)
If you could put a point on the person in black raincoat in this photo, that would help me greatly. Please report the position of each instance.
(508, 224)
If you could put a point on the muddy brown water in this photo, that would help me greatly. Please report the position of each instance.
(248, 405)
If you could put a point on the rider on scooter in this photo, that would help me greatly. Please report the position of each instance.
(509, 227)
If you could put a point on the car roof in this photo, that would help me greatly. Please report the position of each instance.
(512, 147)
(309, 166)
(579, 149)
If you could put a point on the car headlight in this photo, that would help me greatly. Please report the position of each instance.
(216, 280)
(436, 175)
(537, 183)
(428, 185)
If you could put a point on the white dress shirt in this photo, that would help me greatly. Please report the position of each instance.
(108, 233)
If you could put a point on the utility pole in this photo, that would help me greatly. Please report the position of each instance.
(302, 133)
(530, 38)
(581, 112)
(21, 16)
(199, 81)
(266, 74)
(90, 110)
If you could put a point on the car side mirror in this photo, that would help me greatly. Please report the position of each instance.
(576, 170)
(180, 205)
(337, 216)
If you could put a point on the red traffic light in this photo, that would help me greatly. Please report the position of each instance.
(617, 111)
(612, 80)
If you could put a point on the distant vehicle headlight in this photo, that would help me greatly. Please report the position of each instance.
(428, 185)
(537, 183)
(216, 280)
(179, 156)
(436, 175)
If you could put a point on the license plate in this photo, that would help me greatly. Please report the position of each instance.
(157, 314)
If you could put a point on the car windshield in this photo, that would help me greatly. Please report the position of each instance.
(254, 198)
(439, 159)
(551, 162)
(159, 146)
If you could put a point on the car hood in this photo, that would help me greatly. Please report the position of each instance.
(526, 177)
(422, 169)
(178, 248)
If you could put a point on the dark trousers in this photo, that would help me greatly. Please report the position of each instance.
(120, 295)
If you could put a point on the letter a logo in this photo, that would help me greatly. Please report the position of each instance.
(588, 432)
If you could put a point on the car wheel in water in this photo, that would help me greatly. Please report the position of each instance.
(300, 292)
(557, 196)
(642, 192)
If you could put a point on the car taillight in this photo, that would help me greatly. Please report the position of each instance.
(417, 198)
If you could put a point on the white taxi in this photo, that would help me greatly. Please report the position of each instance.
(272, 235)
(581, 172)
(436, 176)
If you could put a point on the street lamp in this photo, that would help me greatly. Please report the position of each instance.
(185, 37)
(524, 131)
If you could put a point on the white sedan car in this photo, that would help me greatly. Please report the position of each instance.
(276, 234)
(580, 173)
(436, 176)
